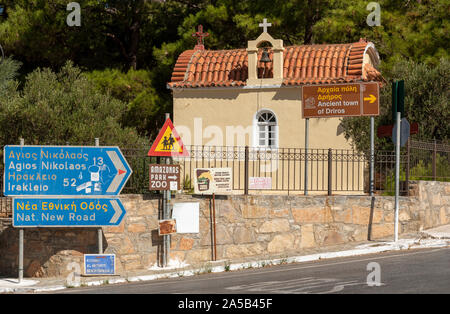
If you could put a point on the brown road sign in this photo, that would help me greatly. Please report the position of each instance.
(340, 100)
(371, 99)
(164, 177)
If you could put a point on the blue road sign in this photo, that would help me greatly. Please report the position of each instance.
(67, 212)
(99, 264)
(64, 170)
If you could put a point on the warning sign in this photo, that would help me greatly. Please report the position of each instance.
(168, 143)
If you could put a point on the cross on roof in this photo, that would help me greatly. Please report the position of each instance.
(264, 25)
(200, 35)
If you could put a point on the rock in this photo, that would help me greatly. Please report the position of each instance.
(281, 243)
(307, 236)
(249, 211)
(276, 225)
(279, 212)
(383, 230)
(332, 238)
(238, 251)
(186, 244)
(360, 215)
(243, 235)
(312, 215)
(199, 255)
(223, 235)
(137, 228)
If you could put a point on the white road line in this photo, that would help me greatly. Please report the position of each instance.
(265, 271)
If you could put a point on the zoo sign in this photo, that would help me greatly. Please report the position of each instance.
(164, 177)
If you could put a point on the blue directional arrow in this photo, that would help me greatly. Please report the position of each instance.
(64, 170)
(67, 212)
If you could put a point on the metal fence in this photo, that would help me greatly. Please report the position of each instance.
(328, 170)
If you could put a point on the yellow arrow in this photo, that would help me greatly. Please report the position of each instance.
(371, 98)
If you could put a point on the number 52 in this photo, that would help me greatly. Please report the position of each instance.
(71, 182)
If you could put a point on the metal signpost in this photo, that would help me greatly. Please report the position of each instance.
(67, 212)
(397, 175)
(64, 186)
(64, 170)
(167, 144)
(400, 134)
(341, 100)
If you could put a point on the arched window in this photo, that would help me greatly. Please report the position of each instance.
(266, 129)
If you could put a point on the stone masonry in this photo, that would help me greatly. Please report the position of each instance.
(258, 226)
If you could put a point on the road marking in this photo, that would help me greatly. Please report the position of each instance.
(300, 285)
(265, 271)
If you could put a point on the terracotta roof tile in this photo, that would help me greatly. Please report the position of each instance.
(310, 64)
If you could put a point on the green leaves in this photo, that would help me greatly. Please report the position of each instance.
(426, 102)
(61, 108)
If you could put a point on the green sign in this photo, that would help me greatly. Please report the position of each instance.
(398, 99)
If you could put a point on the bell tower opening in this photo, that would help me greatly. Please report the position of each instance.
(265, 59)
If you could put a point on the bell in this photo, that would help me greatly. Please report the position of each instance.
(265, 56)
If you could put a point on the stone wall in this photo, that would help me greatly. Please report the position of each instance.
(258, 226)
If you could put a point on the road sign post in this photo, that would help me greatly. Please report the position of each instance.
(340, 100)
(64, 170)
(67, 212)
(397, 176)
(167, 144)
(21, 234)
(99, 230)
(64, 186)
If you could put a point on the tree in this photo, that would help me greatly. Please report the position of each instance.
(9, 70)
(426, 102)
(145, 109)
(416, 30)
(60, 108)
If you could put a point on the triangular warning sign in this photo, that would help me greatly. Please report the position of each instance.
(168, 143)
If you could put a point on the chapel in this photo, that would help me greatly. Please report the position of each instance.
(253, 96)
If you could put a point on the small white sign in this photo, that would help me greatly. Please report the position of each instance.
(173, 185)
(187, 217)
(260, 183)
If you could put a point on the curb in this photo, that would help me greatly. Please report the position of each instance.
(365, 249)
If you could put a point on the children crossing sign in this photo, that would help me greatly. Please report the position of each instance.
(168, 143)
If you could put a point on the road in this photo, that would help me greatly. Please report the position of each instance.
(413, 271)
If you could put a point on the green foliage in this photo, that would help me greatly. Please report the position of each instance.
(426, 102)
(412, 29)
(148, 36)
(9, 70)
(424, 170)
(61, 108)
(144, 106)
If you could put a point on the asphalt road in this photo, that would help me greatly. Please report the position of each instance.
(415, 271)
